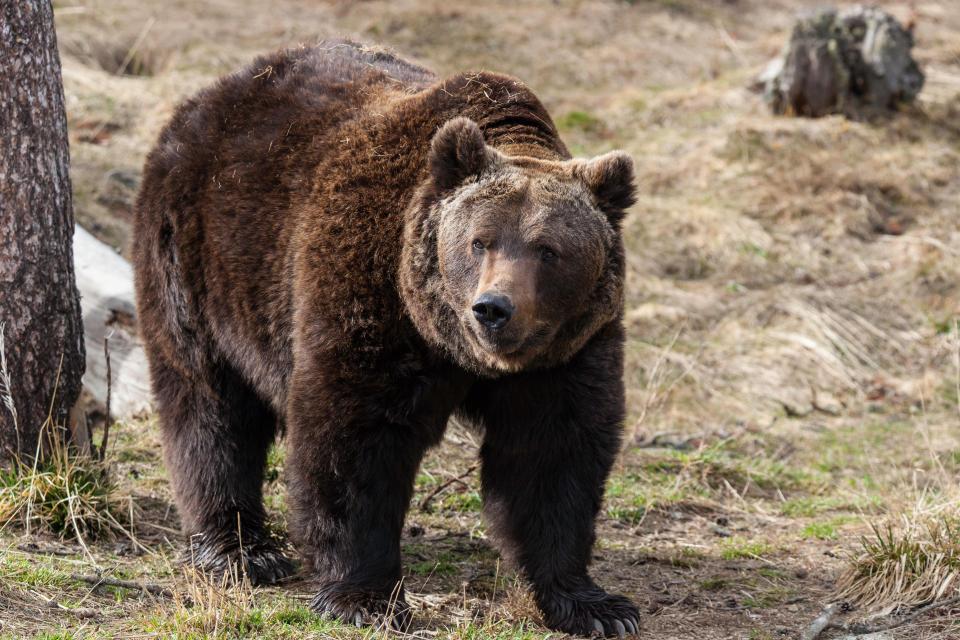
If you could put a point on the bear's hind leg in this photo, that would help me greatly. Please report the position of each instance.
(216, 434)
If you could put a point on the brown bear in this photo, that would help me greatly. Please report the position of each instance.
(336, 245)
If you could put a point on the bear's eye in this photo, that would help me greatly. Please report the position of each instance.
(547, 254)
(478, 245)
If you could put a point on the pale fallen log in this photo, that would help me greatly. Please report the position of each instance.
(105, 281)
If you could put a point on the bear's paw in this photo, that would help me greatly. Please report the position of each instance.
(589, 611)
(262, 562)
(363, 608)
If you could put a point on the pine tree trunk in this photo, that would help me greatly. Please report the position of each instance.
(39, 303)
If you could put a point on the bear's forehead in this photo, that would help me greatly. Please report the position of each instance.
(536, 192)
(532, 206)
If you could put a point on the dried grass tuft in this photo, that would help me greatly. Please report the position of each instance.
(65, 494)
(214, 608)
(903, 566)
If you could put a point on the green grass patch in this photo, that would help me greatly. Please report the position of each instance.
(737, 548)
(580, 121)
(809, 506)
(33, 572)
(671, 477)
(749, 248)
(466, 501)
(819, 531)
(496, 630)
(275, 458)
(443, 564)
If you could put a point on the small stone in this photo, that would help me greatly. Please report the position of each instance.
(827, 403)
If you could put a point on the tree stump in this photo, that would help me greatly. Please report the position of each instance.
(853, 61)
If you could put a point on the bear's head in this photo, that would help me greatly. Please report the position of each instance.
(510, 262)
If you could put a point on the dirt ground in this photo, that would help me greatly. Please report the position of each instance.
(793, 364)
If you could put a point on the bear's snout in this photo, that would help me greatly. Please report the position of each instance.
(493, 311)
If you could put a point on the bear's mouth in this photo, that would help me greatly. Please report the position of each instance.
(512, 350)
(494, 342)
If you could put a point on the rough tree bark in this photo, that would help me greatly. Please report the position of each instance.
(39, 303)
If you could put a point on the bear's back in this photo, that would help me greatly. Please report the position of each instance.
(213, 219)
(253, 114)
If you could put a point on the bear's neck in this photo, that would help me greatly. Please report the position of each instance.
(512, 118)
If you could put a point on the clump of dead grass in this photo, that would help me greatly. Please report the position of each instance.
(126, 54)
(62, 493)
(210, 608)
(56, 490)
(907, 565)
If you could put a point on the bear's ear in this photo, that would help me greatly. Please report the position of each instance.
(610, 179)
(458, 152)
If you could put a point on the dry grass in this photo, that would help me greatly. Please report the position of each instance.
(209, 608)
(912, 563)
(55, 490)
(63, 494)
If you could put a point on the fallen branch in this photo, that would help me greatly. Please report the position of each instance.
(859, 628)
(821, 622)
(425, 503)
(100, 581)
(33, 548)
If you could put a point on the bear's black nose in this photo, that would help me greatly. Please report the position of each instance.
(493, 310)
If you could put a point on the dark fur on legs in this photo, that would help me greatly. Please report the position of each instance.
(216, 435)
(550, 440)
(586, 609)
(348, 525)
(260, 560)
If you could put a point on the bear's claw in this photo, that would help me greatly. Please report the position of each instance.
(590, 611)
(363, 608)
(262, 562)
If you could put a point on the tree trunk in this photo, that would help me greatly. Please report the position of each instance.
(39, 303)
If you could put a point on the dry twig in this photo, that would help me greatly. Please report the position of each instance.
(98, 581)
(425, 503)
(102, 451)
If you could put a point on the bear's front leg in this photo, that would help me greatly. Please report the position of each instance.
(550, 440)
(350, 472)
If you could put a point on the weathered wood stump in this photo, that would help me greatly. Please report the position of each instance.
(105, 281)
(854, 61)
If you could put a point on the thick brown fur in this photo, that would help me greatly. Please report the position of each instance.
(311, 236)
